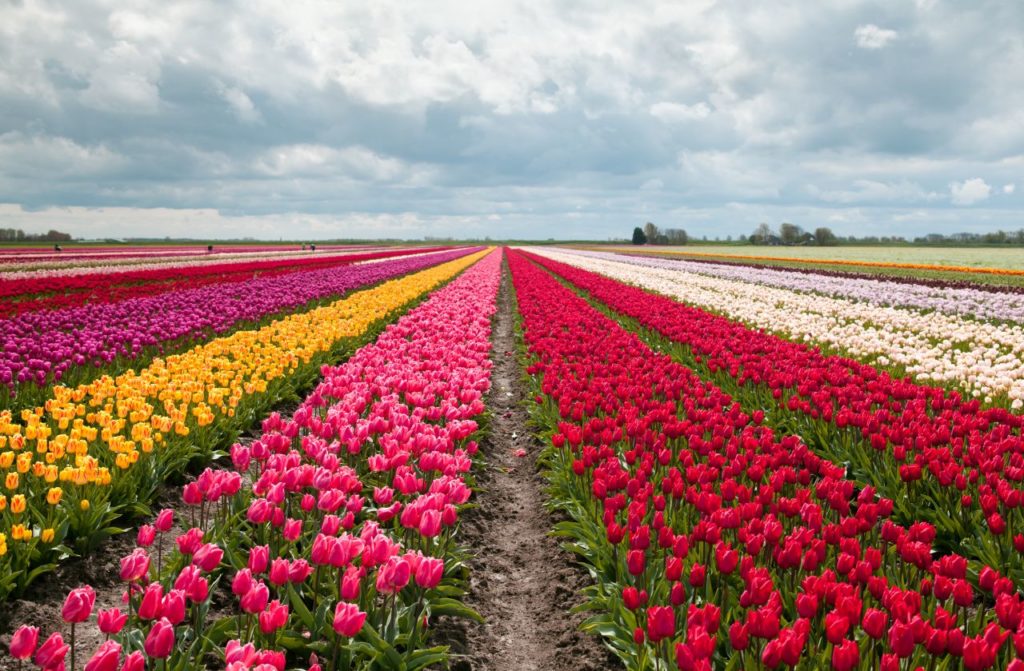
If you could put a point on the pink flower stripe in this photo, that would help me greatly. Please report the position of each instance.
(341, 546)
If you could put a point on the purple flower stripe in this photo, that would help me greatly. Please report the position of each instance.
(36, 348)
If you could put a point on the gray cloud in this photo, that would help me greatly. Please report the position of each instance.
(576, 118)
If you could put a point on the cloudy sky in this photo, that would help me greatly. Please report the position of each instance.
(566, 119)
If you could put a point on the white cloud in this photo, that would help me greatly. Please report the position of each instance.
(1009, 188)
(670, 112)
(969, 191)
(870, 36)
(241, 104)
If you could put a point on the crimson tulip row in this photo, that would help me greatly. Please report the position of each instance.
(718, 543)
(333, 529)
(940, 457)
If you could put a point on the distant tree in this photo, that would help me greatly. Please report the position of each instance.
(651, 232)
(638, 236)
(824, 237)
(761, 235)
(790, 234)
(676, 236)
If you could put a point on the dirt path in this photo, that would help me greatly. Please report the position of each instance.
(522, 582)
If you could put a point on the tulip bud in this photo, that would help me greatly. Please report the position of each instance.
(78, 605)
(348, 619)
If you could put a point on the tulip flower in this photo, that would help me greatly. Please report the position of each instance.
(51, 653)
(23, 642)
(78, 605)
(111, 621)
(160, 641)
(106, 658)
(661, 623)
(348, 619)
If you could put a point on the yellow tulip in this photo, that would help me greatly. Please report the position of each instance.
(53, 496)
(47, 535)
(11, 482)
(84, 505)
(18, 504)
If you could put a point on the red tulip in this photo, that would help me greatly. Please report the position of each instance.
(259, 557)
(845, 655)
(160, 641)
(875, 623)
(661, 623)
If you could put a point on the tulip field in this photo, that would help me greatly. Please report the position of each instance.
(754, 467)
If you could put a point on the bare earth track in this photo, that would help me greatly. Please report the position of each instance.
(522, 582)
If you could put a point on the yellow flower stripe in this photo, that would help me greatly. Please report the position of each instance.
(829, 262)
(82, 435)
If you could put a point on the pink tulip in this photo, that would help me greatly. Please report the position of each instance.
(429, 572)
(259, 557)
(149, 607)
(164, 520)
(136, 661)
(160, 640)
(111, 621)
(52, 652)
(135, 566)
(23, 642)
(106, 658)
(348, 619)
(146, 535)
(255, 600)
(78, 604)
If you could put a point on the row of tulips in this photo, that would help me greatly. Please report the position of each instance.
(58, 265)
(980, 357)
(917, 280)
(941, 458)
(887, 265)
(717, 544)
(73, 345)
(96, 452)
(71, 254)
(109, 285)
(962, 299)
(340, 552)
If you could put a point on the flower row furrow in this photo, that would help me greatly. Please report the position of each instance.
(941, 457)
(717, 543)
(42, 347)
(339, 554)
(71, 466)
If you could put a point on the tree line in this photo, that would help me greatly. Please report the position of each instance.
(789, 234)
(18, 235)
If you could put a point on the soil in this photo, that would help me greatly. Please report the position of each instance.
(521, 582)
